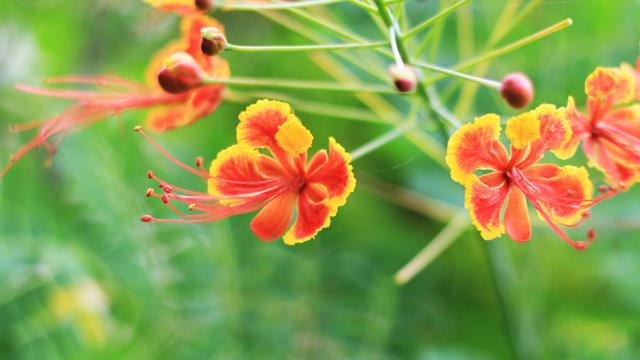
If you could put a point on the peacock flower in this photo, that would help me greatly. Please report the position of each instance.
(114, 95)
(243, 179)
(182, 7)
(561, 195)
(610, 130)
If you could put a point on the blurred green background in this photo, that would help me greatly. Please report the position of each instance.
(82, 278)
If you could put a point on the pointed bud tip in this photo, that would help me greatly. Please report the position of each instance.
(180, 73)
(150, 174)
(149, 192)
(146, 218)
(199, 161)
(517, 90)
(137, 128)
(213, 41)
(404, 77)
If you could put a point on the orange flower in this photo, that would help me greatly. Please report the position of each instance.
(561, 195)
(115, 95)
(241, 179)
(182, 7)
(610, 134)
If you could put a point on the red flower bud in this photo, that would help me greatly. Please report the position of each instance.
(213, 41)
(204, 5)
(180, 73)
(517, 90)
(404, 77)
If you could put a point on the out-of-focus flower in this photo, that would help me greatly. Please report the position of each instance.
(115, 95)
(84, 304)
(182, 7)
(561, 195)
(241, 179)
(610, 133)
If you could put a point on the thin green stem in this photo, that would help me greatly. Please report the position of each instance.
(273, 6)
(302, 85)
(404, 54)
(482, 81)
(435, 18)
(299, 48)
(382, 140)
(508, 48)
(497, 277)
(315, 107)
(433, 249)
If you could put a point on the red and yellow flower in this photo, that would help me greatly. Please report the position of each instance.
(243, 179)
(561, 195)
(610, 133)
(115, 95)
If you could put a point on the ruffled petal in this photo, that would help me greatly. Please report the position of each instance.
(275, 218)
(516, 216)
(334, 172)
(485, 202)
(562, 192)
(610, 85)
(475, 146)
(580, 128)
(314, 214)
(523, 129)
(235, 172)
(260, 122)
(293, 137)
(619, 168)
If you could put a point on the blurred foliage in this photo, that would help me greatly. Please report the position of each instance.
(70, 235)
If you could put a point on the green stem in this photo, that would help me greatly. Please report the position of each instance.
(296, 48)
(382, 140)
(508, 48)
(274, 6)
(302, 85)
(315, 107)
(404, 55)
(482, 81)
(497, 278)
(433, 249)
(435, 18)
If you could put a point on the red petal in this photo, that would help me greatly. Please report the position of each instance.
(313, 216)
(274, 219)
(516, 216)
(485, 203)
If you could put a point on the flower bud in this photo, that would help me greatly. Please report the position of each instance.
(204, 5)
(179, 73)
(213, 41)
(404, 77)
(517, 90)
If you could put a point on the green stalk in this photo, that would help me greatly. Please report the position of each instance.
(435, 18)
(273, 6)
(302, 85)
(382, 140)
(490, 55)
(302, 48)
(482, 81)
(433, 249)
(404, 55)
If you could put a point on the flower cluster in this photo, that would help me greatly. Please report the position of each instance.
(562, 195)
(269, 169)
